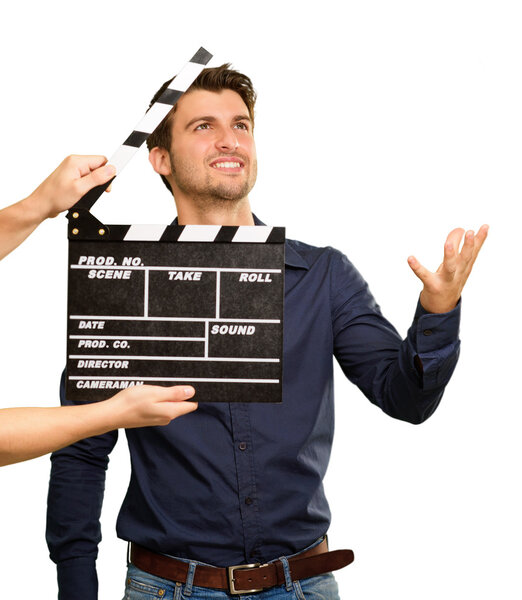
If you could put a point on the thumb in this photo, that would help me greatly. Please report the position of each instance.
(97, 177)
(421, 272)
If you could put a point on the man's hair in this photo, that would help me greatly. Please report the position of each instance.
(212, 79)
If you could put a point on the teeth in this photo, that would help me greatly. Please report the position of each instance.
(227, 165)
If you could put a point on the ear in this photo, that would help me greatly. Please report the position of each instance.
(160, 160)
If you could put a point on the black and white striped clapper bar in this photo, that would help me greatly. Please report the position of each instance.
(170, 304)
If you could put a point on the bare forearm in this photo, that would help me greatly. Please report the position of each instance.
(30, 432)
(17, 222)
(26, 433)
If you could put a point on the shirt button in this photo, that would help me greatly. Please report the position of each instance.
(248, 501)
(242, 445)
(427, 332)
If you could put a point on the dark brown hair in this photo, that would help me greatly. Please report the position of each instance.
(212, 79)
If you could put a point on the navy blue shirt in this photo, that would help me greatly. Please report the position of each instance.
(241, 483)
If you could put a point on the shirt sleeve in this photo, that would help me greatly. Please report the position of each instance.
(405, 378)
(74, 502)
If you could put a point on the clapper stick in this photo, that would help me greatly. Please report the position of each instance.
(148, 124)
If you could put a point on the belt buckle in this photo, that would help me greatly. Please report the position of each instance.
(231, 580)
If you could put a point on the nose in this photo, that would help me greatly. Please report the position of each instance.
(226, 141)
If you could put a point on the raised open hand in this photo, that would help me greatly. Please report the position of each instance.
(443, 288)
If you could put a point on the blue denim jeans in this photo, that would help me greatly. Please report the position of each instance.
(143, 586)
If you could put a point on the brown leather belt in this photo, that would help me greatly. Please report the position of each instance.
(241, 579)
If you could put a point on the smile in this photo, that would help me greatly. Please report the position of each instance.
(227, 165)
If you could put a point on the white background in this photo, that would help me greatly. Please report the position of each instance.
(380, 127)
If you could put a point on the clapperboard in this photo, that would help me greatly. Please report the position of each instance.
(173, 305)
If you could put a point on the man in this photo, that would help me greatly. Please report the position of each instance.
(30, 432)
(238, 484)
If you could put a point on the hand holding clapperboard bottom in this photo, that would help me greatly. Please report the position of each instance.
(236, 485)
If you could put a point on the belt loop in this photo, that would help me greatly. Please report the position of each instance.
(190, 578)
(288, 576)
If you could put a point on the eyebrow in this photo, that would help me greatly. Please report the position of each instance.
(212, 119)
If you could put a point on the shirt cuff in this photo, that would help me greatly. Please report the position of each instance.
(77, 574)
(434, 331)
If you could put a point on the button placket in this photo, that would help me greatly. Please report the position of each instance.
(246, 477)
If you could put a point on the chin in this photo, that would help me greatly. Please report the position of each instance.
(228, 194)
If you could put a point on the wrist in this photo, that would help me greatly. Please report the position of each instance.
(434, 303)
(101, 417)
(36, 207)
(112, 413)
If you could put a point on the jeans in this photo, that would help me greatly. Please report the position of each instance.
(143, 586)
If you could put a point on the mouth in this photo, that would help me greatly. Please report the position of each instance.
(228, 165)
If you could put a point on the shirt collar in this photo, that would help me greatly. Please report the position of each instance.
(292, 257)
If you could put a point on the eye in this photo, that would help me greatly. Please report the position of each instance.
(241, 125)
(203, 126)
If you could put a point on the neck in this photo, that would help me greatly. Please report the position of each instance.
(233, 213)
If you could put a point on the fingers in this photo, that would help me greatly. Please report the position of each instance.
(462, 262)
(467, 248)
(150, 405)
(173, 402)
(73, 178)
(449, 264)
(455, 237)
(84, 163)
(178, 409)
(480, 238)
(474, 245)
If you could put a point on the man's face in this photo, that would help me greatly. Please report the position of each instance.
(213, 154)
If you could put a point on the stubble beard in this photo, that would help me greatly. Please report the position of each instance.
(204, 191)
